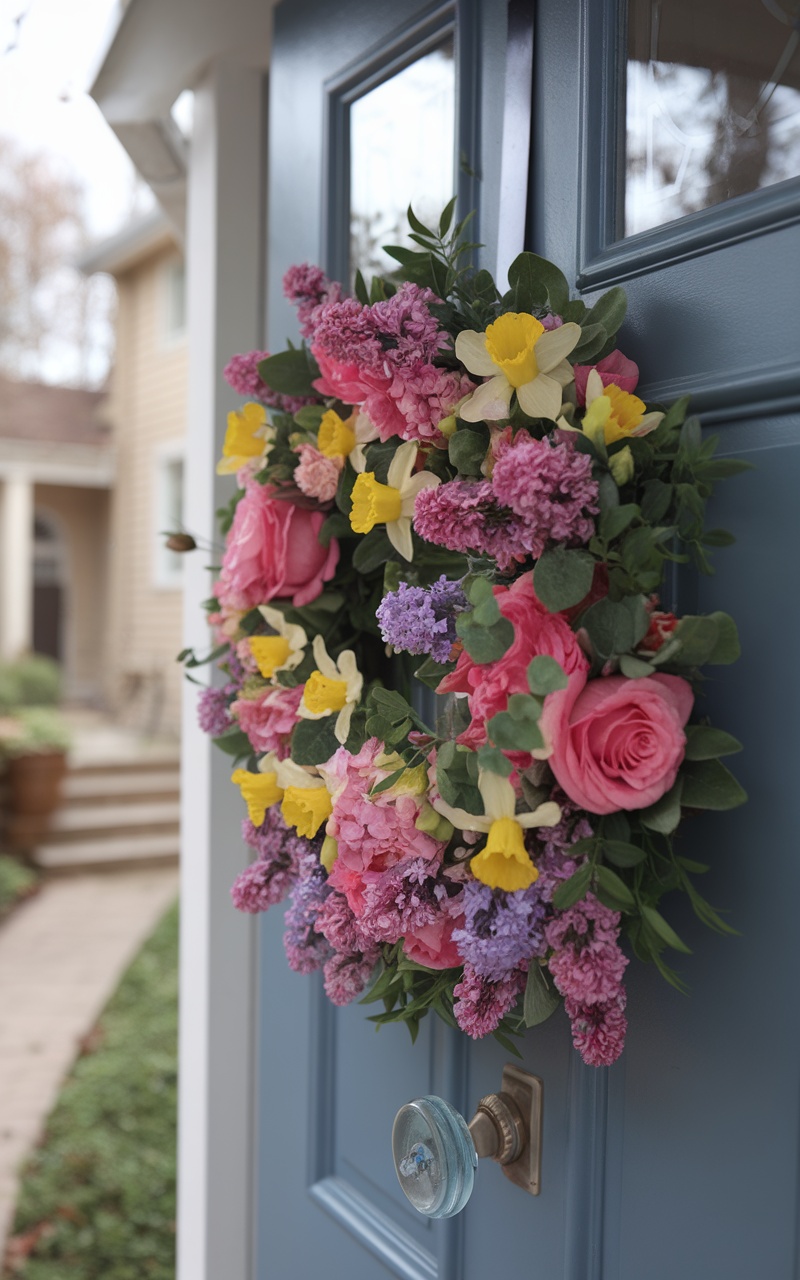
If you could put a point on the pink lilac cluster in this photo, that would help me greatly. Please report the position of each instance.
(422, 619)
(241, 373)
(540, 495)
(403, 900)
(381, 357)
(355, 955)
(465, 516)
(213, 710)
(501, 931)
(316, 475)
(481, 1004)
(587, 966)
(551, 488)
(308, 287)
(269, 879)
(269, 718)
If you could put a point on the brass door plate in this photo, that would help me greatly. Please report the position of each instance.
(527, 1091)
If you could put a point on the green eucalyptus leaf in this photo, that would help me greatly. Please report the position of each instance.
(665, 814)
(727, 649)
(541, 998)
(290, 373)
(485, 644)
(563, 578)
(593, 339)
(615, 521)
(513, 734)
(545, 675)
(372, 551)
(529, 292)
(467, 449)
(635, 668)
(706, 743)
(234, 743)
(493, 760)
(708, 784)
(665, 931)
(609, 310)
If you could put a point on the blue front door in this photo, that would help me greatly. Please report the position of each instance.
(681, 1161)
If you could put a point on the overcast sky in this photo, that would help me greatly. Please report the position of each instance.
(49, 50)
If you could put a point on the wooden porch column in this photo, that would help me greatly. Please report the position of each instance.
(16, 565)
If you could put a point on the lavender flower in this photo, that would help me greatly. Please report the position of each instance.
(422, 619)
(307, 950)
(213, 713)
(501, 930)
(269, 879)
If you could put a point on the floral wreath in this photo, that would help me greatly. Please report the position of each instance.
(443, 473)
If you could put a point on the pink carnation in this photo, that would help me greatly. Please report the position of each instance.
(273, 549)
(269, 718)
(616, 368)
(372, 834)
(316, 474)
(618, 743)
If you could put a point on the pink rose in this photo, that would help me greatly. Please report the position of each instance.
(273, 549)
(616, 368)
(489, 685)
(620, 742)
(432, 944)
(269, 718)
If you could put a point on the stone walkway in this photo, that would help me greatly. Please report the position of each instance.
(61, 957)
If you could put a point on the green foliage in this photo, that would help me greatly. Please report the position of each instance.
(98, 1195)
(17, 881)
(34, 730)
(290, 373)
(563, 578)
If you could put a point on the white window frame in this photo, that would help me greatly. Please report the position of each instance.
(173, 330)
(168, 566)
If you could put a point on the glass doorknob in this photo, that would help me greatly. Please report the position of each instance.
(436, 1152)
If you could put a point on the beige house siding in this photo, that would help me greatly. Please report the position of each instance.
(148, 410)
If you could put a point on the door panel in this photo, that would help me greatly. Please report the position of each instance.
(682, 1159)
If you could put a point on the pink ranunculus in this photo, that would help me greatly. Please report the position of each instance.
(620, 742)
(616, 368)
(489, 685)
(273, 549)
(269, 719)
(432, 944)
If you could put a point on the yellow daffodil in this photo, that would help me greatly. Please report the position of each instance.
(282, 652)
(306, 801)
(613, 414)
(329, 853)
(517, 353)
(504, 862)
(248, 436)
(621, 465)
(336, 437)
(333, 687)
(260, 791)
(392, 503)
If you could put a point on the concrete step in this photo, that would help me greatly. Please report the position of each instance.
(75, 821)
(108, 853)
(84, 762)
(92, 787)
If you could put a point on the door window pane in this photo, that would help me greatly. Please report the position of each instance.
(713, 104)
(402, 147)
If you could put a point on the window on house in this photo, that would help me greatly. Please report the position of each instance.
(175, 300)
(169, 515)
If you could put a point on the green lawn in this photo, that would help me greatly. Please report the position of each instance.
(98, 1198)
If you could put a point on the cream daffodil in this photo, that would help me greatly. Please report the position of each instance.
(333, 687)
(249, 436)
(517, 353)
(392, 503)
(346, 437)
(613, 414)
(282, 652)
(306, 803)
(504, 862)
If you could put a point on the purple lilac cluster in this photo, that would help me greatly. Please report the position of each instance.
(540, 495)
(241, 373)
(270, 878)
(402, 900)
(213, 709)
(422, 619)
(501, 930)
(306, 949)
(308, 287)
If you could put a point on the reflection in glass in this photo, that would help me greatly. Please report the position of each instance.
(713, 104)
(402, 146)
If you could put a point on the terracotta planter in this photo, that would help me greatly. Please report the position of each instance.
(34, 782)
